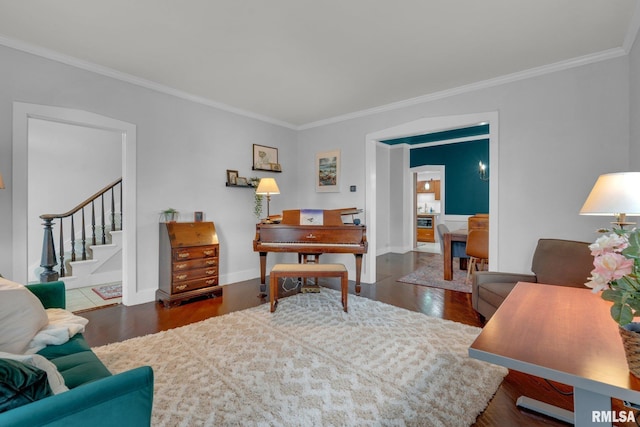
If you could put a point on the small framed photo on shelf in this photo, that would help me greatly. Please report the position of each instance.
(232, 177)
(198, 216)
(241, 181)
(264, 158)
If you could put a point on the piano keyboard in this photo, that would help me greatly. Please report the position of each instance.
(355, 245)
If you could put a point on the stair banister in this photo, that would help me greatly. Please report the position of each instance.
(48, 258)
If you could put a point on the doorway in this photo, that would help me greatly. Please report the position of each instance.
(374, 169)
(23, 112)
(82, 160)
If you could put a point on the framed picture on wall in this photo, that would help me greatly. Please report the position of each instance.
(265, 158)
(327, 171)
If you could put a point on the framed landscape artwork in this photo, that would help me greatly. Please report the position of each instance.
(328, 172)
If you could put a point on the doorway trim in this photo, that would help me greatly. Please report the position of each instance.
(418, 127)
(22, 112)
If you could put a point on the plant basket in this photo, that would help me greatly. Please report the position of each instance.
(630, 335)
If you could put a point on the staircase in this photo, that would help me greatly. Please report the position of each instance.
(103, 264)
(95, 257)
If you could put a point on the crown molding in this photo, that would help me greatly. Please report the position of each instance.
(125, 77)
(634, 28)
(522, 75)
(632, 31)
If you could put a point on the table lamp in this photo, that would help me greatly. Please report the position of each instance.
(267, 186)
(615, 194)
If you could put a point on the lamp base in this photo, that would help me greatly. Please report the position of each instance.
(622, 224)
(621, 221)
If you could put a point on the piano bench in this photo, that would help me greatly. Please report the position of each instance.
(307, 271)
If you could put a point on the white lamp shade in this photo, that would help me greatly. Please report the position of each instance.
(613, 194)
(267, 186)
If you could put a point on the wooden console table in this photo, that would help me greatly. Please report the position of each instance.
(564, 334)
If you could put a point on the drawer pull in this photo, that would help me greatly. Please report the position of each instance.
(181, 287)
(180, 266)
(182, 276)
(210, 271)
(210, 282)
(209, 252)
(183, 255)
(211, 262)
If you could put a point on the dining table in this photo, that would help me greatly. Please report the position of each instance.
(449, 238)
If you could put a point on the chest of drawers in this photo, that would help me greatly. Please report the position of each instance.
(188, 267)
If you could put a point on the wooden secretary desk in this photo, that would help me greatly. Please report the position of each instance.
(188, 267)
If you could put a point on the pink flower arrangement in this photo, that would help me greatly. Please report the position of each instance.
(616, 261)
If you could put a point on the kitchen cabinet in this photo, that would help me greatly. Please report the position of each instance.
(424, 228)
(434, 187)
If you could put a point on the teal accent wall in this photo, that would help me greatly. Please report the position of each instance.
(466, 193)
(469, 131)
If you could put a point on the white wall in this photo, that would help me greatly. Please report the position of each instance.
(398, 205)
(383, 207)
(558, 132)
(183, 151)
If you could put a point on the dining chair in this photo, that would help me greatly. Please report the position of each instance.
(458, 248)
(442, 229)
(477, 250)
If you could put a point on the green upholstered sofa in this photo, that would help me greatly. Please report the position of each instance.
(95, 396)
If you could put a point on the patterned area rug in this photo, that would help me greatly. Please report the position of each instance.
(311, 364)
(110, 291)
(430, 272)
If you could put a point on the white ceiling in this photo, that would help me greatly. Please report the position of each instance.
(297, 62)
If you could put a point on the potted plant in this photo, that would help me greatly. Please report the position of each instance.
(257, 198)
(617, 275)
(170, 215)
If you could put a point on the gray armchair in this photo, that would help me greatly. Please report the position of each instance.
(555, 262)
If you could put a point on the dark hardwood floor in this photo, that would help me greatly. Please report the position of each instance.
(117, 323)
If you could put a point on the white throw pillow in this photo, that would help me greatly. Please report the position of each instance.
(55, 379)
(21, 316)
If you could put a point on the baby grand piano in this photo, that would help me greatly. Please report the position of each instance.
(311, 238)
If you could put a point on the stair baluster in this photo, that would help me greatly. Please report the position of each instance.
(113, 210)
(73, 240)
(84, 238)
(62, 270)
(93, 223)
(104, 237)
(48, 259)
(121, 203)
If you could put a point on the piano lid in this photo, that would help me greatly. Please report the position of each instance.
(329, 216)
